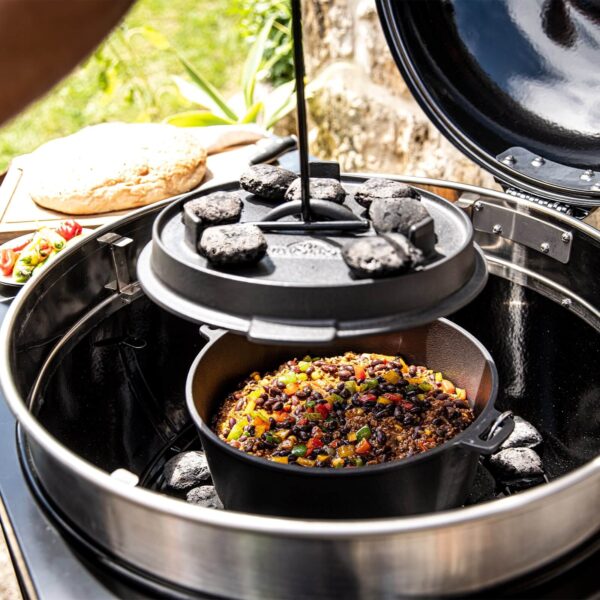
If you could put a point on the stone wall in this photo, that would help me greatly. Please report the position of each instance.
(362, 113)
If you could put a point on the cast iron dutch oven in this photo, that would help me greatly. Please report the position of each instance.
(437, 479)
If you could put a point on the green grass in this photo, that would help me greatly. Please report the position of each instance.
(129, 80)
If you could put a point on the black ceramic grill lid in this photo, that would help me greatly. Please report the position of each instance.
(302, 291)
(514, 84)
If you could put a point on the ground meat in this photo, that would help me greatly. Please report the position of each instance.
(343, 411)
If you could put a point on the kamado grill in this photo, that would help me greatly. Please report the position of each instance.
(96, 368)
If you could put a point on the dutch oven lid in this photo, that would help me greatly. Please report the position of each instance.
(512, 83)
(302, 291)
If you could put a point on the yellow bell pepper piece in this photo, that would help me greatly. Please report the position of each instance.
(448, 386)
(345, 451)
(351, 438)
(391, 377)
(306, 462)
(280, 459)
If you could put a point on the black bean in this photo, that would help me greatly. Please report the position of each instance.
(304, 435)
(376, 362)
(310, 371)
(239, 405)
(272, 422)
(278, 406)
(280, 384)
(232, 422)
(259, 401)
(292, 458)
(381, 437)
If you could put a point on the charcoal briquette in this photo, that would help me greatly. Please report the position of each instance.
(517, 463)
(186, 470)
(206, 496)
(383, 188)
(233, 244)
(217, 208)
(379, 257)
(524, 435)
(267, 181)
(397, 214)
(320, 189)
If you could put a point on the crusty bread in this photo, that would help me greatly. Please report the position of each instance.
(115, 166)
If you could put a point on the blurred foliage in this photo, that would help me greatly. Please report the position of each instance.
(279, 50)
(254, 103)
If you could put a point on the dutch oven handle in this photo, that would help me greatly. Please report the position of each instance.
(501, 428)
(211, 334)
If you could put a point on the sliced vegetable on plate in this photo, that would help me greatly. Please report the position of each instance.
(24, 257)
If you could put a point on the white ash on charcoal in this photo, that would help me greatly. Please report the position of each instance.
(206, 496)
(267, 181)
(381, 257)
(186, 470)
(239, 244)
(513, 464)
(217, 208)
(383, 188)
(320, 189)
(524, 435)
(397, 214)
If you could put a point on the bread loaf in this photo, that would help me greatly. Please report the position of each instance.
(115, 166)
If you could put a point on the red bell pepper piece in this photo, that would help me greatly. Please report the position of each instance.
(395, 398)
(368, 398)
(313, 444)
(359, 372)
(69, 229)
(363, 447)
(8, 258)
(323, 409)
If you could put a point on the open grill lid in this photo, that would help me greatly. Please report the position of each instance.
(514, 85)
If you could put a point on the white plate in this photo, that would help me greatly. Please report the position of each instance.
(4, 280)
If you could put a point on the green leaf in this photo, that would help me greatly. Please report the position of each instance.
(208, 89)
(155, 37)
(279, 103)
(252, 114)
(196, 118)
(195, 94)
(254, 61)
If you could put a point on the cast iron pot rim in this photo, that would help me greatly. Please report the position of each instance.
(176, 205)
(342, 529)
(470, 434)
